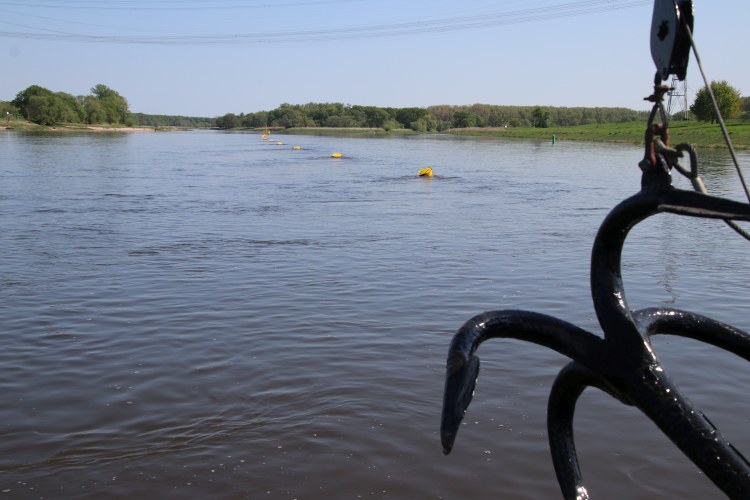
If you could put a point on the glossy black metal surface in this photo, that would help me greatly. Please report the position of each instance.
(623, 362)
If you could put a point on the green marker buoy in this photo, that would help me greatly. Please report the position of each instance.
(554, 138)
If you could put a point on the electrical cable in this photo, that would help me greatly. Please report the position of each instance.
(568, 9)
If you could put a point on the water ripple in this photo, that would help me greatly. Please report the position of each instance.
(199, 315)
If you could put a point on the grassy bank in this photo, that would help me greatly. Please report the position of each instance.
(705, 135)
(699, 134)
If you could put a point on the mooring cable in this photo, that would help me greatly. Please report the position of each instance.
(715, 105)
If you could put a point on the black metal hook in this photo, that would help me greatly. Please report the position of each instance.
(623, 363)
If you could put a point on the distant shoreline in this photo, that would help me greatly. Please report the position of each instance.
(24, 126)
(699, 134)
(97, 128)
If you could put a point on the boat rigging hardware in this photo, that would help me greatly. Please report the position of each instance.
(623, 362)
(670, 43)
(660, 157)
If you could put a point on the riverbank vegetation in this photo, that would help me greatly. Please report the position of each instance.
(44, 107)
(430, 119)
(700, 134)
(530, 122)
(476, 116)
(37, 108)
(146, 120)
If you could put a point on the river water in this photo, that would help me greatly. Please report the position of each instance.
(211, 315)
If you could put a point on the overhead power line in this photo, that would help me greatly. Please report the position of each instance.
(132, 5)
(569, 9)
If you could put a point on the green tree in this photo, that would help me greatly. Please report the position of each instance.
(229, 120)
(439, 118)
(466, 119)
(93, 110)
(34, 103)
(288, 116)
(428, 123)
(42, 106)
(255, 120)
(746, 107)
(7, 111)
(42, 109)
(22, 98)
(341, 121)
(483, 111)
(145, 120)
(45, 107)
(318, 113)
(539, 118)
(498, 117)
(391, 124)
(727, 98)
(113, 106)
(374, 117)
(73, 111)
(406, 116)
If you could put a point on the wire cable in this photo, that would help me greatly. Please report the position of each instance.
(715, 104)
(723, 127)
(459, 23)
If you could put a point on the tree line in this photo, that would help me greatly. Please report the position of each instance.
(429, 119)
(445, 117)
(106, 106)
(45, 107)
(102, 106)
(146, 120)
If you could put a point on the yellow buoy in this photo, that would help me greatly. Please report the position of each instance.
(280, 143)
(425, 172)
(296, 147)
(263, 136)
(336, 155)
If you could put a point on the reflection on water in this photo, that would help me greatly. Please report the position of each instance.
(210, 315)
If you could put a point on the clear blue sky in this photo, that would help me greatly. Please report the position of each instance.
(207, 58)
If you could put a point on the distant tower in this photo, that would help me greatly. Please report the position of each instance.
(678, 99)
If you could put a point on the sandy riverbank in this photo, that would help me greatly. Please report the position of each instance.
(24, 126)
(98, 128)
